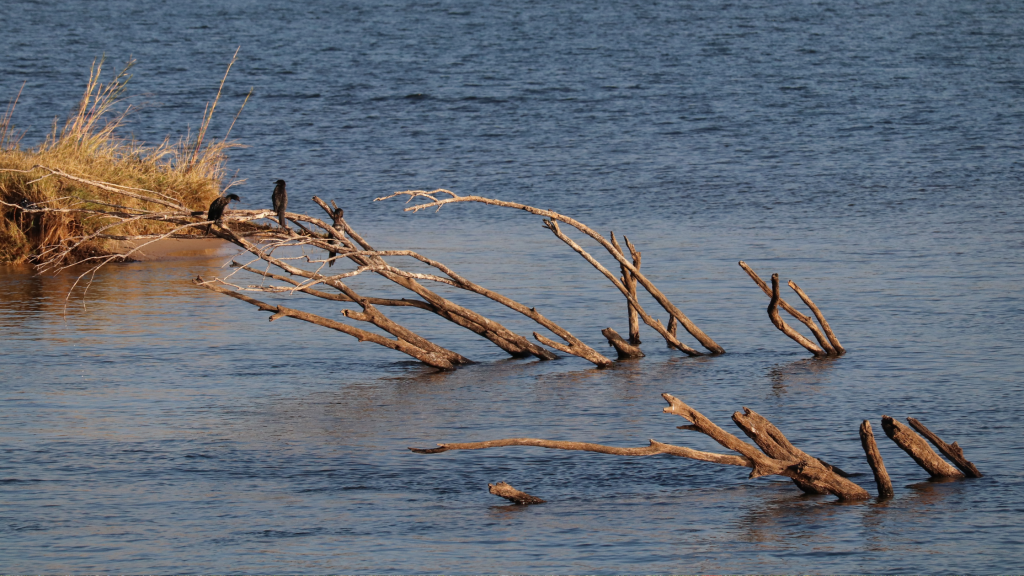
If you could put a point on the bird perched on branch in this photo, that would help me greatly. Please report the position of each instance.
(338, 216)
(280, 198)
(217, 208)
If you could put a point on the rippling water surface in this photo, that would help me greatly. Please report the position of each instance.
(869, 150)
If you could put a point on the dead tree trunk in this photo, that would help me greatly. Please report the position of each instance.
(867, 440)
(918, 449)
(810, 474)
(951, 451)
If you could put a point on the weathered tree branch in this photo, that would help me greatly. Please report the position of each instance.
(810, 474)
(690, 327)
(825, 341)
(951, 451)
(630, 283)
(429, 358)
(867, 440)
(773, 313)
(918, 449)
(509, 493)
(675, 343)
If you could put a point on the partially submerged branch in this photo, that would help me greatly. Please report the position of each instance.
(810, 474)
(828, 344)
(918, 449)
(509, 493)
(951, 451)
(435, 202)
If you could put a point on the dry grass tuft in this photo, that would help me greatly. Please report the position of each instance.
(190, 171)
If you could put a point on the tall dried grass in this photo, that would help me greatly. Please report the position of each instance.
(190, 170)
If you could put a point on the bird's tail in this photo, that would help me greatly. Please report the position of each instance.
(281, 218)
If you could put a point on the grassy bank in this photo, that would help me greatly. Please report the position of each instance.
(89, 147)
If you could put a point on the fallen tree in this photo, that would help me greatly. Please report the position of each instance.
(773, 454)
(322, 243)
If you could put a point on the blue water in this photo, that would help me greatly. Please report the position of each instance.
(871, 151)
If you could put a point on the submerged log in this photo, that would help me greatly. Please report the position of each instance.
(509, 493)
(624, 348)
(951, 451)
(810, 474)
(867, 440)
(918, 449)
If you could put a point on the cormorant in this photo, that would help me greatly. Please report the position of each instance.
(217, 208)
(280, 198)
(338, 216)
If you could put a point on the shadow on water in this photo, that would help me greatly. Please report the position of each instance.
(802, 375)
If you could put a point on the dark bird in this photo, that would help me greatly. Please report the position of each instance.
(338, 216)
(280, 199)
(217, 208)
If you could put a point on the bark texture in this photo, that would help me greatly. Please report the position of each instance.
(918, 449)
(509, 493)
(867, 440)
(951, 451)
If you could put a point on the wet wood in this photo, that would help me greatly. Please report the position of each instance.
(837, 348)
(773, 442)
(624, 348)
(867, 440)
(429, 358)
(509, 493)
(806, 320)
(810, 475)
(951, 451)
(671, 339)
(512, 343)
(434, 202)
(630, 283)
(773, 314)
(918, 449)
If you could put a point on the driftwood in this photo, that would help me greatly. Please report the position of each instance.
(432, 201)
(918, 449)
(867, 440)
(630, 283)
(951, 451)
(828, 343)
(509, 493)
(810, 474)
(305, 275)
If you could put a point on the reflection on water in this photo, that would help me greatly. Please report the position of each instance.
(801, 376)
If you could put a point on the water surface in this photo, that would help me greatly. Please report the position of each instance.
(870, 151)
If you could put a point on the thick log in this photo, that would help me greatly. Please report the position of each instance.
(918, 449)
(867, 440)
(951, 451)
(765, 429)
(801, 317)
(624, 348)
(509, 493)
(810, 476)
(773, 314)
